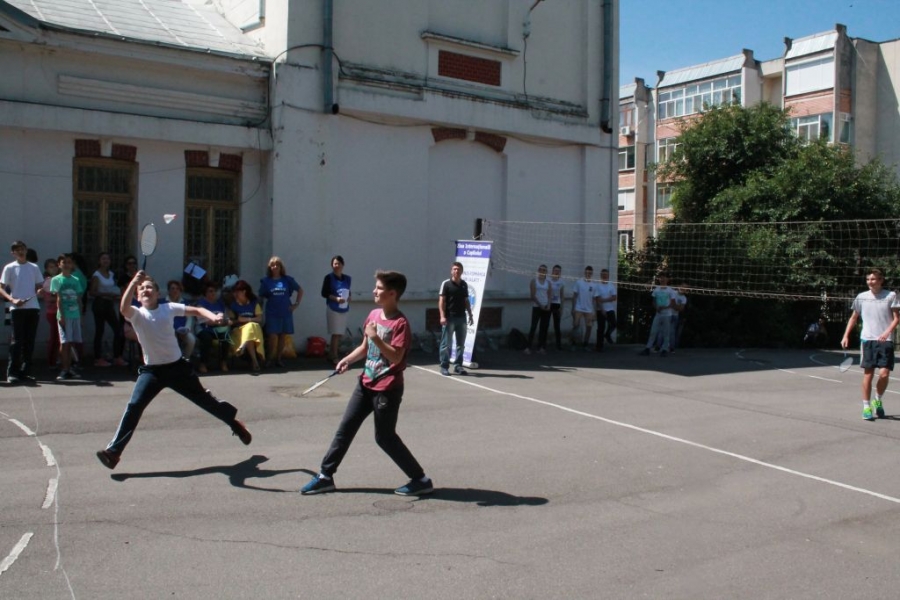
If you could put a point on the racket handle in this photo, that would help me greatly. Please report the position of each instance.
(144, 264)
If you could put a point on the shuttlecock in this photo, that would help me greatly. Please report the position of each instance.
(169, 218)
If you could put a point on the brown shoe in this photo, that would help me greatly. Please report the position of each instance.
(240, 430)
(111, 459)
(201, 368)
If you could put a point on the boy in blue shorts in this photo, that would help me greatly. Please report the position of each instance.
(880, 312)
(67, 289)
(379, 391)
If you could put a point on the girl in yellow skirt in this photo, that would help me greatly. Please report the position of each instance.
(246, 316)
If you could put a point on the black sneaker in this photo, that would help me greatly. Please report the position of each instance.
(459, 370)
(445, 372)
(238, 429)
(644, 352)
(317, 485)
(12, 380)
(109, 459)
(415, 487)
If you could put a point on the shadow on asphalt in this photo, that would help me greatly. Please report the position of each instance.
(473, 496)
(237, 474)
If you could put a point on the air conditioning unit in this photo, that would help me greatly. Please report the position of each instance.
(626, 130)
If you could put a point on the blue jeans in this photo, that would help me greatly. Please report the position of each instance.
(178, 376)
(455, 326)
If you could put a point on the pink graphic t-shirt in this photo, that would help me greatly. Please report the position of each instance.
(379, 374)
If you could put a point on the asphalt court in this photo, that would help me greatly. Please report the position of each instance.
(706, 474)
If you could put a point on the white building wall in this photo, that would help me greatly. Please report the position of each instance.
(888, 103)
(371, 184)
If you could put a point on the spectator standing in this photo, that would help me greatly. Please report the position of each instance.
(105, 294)
(454, 305)
(336, 291)
(539, 289)
(605, 299)
(51, 270)
(277, 288)
(20, 283)
(68, 290)
(557, 299)
(583, 309)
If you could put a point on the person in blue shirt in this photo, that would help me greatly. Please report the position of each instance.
(336, 291)
(277, 289)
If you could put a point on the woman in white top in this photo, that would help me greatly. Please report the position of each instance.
(540, 309)
(105, 294)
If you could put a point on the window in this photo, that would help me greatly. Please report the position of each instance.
(663, 196)
(666, 147)
(626, 115)
(104, 195)
(697, 97)
(211, 220)
(809, 76)
(626, 158)
(626, 199)
(625, 240)
(813, 127)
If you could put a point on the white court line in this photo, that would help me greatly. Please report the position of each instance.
(48, 455)
(22, 426)
(16, 551)
(671, 438)
(51, 493)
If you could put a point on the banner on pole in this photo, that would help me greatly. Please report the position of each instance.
(475, 256)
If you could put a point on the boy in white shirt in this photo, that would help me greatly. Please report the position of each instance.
(164, 366)
(583, 309)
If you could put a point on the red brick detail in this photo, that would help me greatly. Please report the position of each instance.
(845, 102)
(626, 180)
(495, 142)
(231, 162)
(469, 68)
(87, 148)
(123, 152)
(447, 133)
(196, 158)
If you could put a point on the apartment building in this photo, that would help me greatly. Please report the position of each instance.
(836, 87)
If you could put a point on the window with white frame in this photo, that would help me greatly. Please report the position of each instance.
(813, 127)
(665, 148)
(697, 97)
(626, 240)
(626, 199)
(809, 76)
(663, 196)
(626, 158)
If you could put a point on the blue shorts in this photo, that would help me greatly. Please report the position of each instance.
(877, 355)
(279, 325)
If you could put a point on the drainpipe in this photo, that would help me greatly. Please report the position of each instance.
(330, 106)
(607, 79)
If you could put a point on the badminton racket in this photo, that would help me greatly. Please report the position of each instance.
(318, 384)
(846, 363)
(148, 242)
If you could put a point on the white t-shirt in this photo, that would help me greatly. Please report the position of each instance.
(556, 290)
(606, 290)
(875, 312)
(22, 279)
(584, 296)
(663, 296)
(680, 300)
(541, 293)
(155, 330)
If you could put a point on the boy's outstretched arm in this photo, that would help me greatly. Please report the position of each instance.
(125, 306)
(845, 342)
